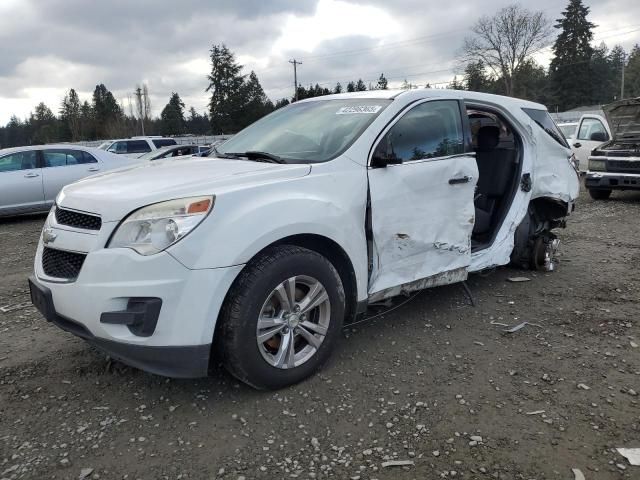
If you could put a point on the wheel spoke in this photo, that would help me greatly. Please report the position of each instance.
(309, 337)
(314, 327)
(268, 322)
(317, 295)
(286, 293)
(286, 352)
(269, 333)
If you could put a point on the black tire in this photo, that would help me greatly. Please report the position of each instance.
(237, 340)
(599, 193)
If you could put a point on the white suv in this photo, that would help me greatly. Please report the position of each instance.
(136, 146)
(306, 216)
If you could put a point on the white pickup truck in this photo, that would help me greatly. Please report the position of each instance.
(590, 132)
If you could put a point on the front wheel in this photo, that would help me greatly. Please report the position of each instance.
(599, 194)
(282, 317)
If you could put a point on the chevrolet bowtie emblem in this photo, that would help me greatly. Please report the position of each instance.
(48, 236)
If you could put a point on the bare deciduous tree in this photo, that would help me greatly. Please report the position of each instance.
(506, 40)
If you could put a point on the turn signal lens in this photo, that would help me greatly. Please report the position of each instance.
(199, 207)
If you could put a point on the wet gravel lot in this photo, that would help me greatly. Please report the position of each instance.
(435, 386)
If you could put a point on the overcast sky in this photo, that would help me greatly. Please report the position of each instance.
(50, 46)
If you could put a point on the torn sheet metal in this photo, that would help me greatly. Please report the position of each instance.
(445, 278)
(421, 223)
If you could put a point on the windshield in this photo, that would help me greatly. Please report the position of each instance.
(105, 145)
(307, 132)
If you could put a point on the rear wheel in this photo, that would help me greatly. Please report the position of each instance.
(599, 193)
(282, 317)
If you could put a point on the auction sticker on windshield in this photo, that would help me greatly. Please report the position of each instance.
(370, 109)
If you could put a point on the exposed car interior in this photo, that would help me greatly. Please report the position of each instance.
(499, 158)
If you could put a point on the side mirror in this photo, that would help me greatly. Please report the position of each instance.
(384, 155)
(599, 137)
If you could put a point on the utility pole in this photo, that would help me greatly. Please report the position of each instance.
(622, 82)
(295, 77)
(138, 94)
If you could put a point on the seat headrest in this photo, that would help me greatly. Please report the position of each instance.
(488, 138)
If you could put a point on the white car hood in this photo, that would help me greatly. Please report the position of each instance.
(116, 193)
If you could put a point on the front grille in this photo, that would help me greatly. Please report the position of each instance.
(61, 264)
(77, 219)
(623, 166)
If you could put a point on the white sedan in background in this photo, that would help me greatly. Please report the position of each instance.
(31, 177)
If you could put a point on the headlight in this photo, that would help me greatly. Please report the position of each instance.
(597, 165)
(156, 227)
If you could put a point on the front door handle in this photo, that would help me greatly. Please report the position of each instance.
(93, 169)
(577, 144)
(455, 181)
(31, 175)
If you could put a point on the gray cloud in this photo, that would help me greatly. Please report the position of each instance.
(60, 44)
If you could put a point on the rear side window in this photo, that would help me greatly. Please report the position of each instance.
(62, 158)
(429, 130)
(544, 121)
(138, 146)
(88, 158)
(18, 161)
(164, 142)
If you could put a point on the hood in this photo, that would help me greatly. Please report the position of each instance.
(624, 119)
(115, 193)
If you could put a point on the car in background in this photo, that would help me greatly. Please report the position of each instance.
(568, 129)
(31, 177)
(136, 146)
(592, 131)
(175, 151)
(615, 165)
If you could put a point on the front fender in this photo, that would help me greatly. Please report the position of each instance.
(245, 221)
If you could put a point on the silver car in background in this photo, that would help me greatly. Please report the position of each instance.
(31, 177)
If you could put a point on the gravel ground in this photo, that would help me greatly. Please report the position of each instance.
(436, 384)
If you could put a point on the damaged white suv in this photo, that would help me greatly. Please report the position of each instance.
(260, 254)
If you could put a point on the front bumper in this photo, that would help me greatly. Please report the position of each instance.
(169, 361)
(116, 288)
(612, 181)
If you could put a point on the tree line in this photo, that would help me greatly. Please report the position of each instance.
(498, 57)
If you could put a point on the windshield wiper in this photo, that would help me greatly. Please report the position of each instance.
(218, 154)
(260, 156)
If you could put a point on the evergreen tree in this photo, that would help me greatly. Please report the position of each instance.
(455, 84)
(351, 87)
(226, 86)
(257, 103)
(44, 125)
(569, 71)
(531, 82)
(106, 113)
(382, 83)
(283, 102)
(600, 75)
(172, 116)
(197, 124)
(632, 73)
(87, 128)
(617, 59)
(360, 86)
(70, 116)
(476, 78)
(337, 88)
